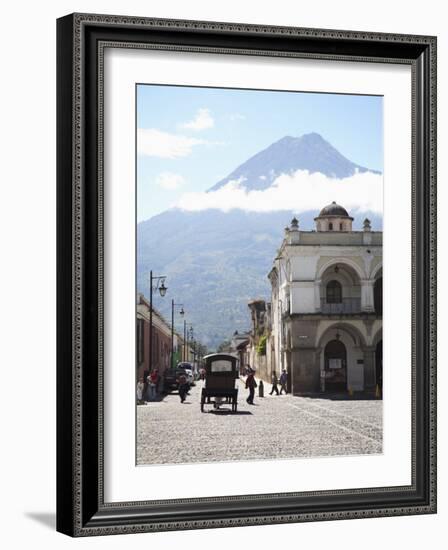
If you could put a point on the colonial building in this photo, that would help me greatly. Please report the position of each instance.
(161, 336)
(239, 346)
(260, 349)
(327, 305)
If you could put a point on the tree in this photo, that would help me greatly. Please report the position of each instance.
(201, 350)
(261, 346)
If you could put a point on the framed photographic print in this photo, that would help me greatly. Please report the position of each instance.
(246, 274)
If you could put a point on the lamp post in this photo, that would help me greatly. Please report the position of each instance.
(155, 283)
(181, 313)
(185, 341)
(193, 343)
(190, 334)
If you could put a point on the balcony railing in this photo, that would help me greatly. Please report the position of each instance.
(348, 305)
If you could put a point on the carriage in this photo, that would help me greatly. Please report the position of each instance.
(221, 373)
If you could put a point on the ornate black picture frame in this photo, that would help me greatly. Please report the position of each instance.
(81, 509)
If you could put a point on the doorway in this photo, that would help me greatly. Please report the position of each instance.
(379, 364)
(335, 366)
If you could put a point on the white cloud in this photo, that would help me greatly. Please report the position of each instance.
(300, 192)
(155, 143)
(202, 121)
(170, 181)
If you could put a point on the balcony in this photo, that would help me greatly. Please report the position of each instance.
(348, 305)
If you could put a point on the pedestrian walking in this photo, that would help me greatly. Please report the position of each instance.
(283, 381)
(153, 381)
(182, 382)
(139, 391)
(251, 384)
(274, 381)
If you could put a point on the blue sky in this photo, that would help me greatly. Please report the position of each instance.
(189, 138)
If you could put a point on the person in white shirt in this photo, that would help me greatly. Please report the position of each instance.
(140, 388)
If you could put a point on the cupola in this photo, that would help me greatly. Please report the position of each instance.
(333, 217)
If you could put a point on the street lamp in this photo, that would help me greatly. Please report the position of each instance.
(185, 341)
(187, 336)
(162, 288)
(181, 313)
(155, 283)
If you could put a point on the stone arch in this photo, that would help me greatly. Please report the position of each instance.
(355, 334)
(348, 275)
(376, 270)
(378, 361)
(349, 374)
(341, 261)
(377, 277)
(378, 336)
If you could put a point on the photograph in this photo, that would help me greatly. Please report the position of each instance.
(259, 266)
(223, 193)
(205, 197)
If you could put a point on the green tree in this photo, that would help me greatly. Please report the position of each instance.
(261, 346)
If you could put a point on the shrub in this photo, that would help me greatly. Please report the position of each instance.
(261, 347)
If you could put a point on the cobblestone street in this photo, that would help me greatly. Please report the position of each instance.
(274, 427)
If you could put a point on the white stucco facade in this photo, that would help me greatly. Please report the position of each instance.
(327, 305)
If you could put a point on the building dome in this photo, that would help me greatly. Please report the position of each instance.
(333, 217)
(334, 209)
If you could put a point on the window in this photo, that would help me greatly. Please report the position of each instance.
(330, 227)
(341, 227)
(221, 366)
(334, 292)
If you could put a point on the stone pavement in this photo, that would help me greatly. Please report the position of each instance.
(274, 427)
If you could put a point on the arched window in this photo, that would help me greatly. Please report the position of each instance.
(330, 227)
(340, 227)
(334, 292)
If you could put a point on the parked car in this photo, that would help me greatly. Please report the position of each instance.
(189, 371)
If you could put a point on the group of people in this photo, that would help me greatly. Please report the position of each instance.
(251, 383)
(147, 390)
(283, 380)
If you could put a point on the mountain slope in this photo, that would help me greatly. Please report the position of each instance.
(310, 152)
(214, 262)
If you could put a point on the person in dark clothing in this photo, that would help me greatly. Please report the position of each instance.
(274, 381)
(183, 386)
(251, 384)
(283, 381)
